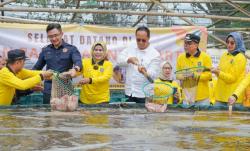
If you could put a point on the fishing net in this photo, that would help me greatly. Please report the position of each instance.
(62, 94)
(157, 95)
(189, 79)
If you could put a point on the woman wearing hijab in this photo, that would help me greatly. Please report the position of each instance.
(96, 73)
(160, 89)
(166, 77)
(231, 69)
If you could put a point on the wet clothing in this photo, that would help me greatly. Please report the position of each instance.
(9, 82)
(19, 94)
(232, 71)
(58, 59)
(201, 58)
(98, 90)
(135, 99)
(224, 106)
(149, 58)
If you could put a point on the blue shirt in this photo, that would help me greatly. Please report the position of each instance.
(58, 59)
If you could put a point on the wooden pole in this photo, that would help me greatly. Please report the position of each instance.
(77, 6)
(2, 12)
(237, 7)
(228, 29)
(123, 12)
(220, 20)
(141, 18)
(189, 22)
(19, 20)
(173, 1)
(168, 10)
(7, 2)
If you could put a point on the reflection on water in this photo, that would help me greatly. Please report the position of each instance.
(128, 129)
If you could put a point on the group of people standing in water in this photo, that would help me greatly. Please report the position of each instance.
(140, 62)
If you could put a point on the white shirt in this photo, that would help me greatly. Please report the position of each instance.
(149, 58)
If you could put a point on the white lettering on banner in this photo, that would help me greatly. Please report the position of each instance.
(42, 38)
(110, 40)
(37, 37)
(83, 39)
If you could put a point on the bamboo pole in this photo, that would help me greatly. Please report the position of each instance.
(237, 7)
(20, 20)
(7, 2)
(140, 19)
(220, 45)
(123, 12)
(220, 20)
(173, 1)
(190, 22)
(77, 6)
(168, 10)
(228, 29)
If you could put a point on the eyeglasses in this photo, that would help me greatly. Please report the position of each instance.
(141, 40)
(230, 42)
(54, 36)
(98, 49)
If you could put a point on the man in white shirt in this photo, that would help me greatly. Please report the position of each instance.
(148, 59)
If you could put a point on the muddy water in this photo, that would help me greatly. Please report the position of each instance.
(123, 130)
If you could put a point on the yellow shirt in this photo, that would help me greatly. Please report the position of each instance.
(204, 60)
(232, 71)
(98, 90)
(242, 87)
(9, 82)
(173, 84)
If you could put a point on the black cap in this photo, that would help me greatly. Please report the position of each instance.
(192, 37)
(16, 54)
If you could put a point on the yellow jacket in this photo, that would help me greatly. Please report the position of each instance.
(199, 59)
(242, 87)
(232, 71)
(9, 82)
(173, 84)
(98, 90)
(246, 101)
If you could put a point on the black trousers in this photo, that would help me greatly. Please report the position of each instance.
(135, 99)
